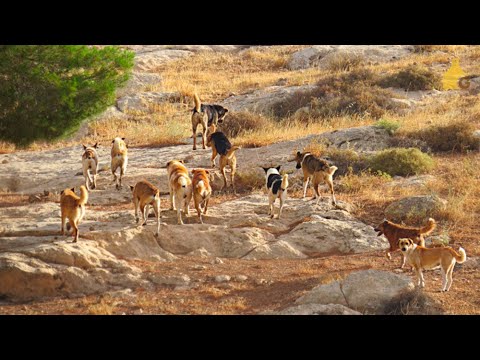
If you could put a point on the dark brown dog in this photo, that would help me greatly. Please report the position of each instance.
(394, 232)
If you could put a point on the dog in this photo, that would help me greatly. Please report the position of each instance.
(90, 163)
(146, 194)
(319, 170)
(180, 186)
(276, 187)
(422, 258)
(205, 115)
(201, 191)
(73, 208)
(119, 160)
(394, 232)
(221, 145)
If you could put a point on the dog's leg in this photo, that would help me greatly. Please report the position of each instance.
(63, 224)
(404, 259)
(178, 201)
(94, 176)
(87, 178)
(206, 205)
(114, 169)
(330, 185)
(197, 201)
(305, 185)
(123, 170)
(444, 279)
(450, 275)
(421, 278)
(214, 155)
(157, 210)
(172, 200)
(222, 169)
(145, 209)
(204, 136)
(270, 205)
(136, 202)
(75, 230)
(194, 129)
(233, 166)
(282, 201)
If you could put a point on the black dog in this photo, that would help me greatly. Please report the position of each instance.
(206, 115)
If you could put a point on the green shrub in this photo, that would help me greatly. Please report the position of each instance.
(390, 125)
(401, 162)
(413, 78)
(345, 61)
(239, 123)
(456, 137)
(46, 91)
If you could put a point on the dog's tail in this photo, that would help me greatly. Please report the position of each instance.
(462, 257)
(198, 104)
(182, 181)
(231, 152)
(83, 195)
(284, 182)
(331, 170)
(427, 229)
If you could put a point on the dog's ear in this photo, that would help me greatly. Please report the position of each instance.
(299, 153)
(278, 167)
(84, 147)
(123, 139)
(61, 192)
(266, 169)
(410, 241)
(168, 163)
(385, 221)
(113, 141)
(226, 110)
(131, 187)
(96, 145)
(207, 172)
(181, 161)
(73, 189)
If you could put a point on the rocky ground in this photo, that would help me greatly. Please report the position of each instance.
(316, 259)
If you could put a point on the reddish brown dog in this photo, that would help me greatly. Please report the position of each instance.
(394, 232)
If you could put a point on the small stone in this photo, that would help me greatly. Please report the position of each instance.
(217, 261)
(138, 312)
(5, 161)
(241, 278)
(261, 282)
(91, 228)
(199, 267)
(222, 278)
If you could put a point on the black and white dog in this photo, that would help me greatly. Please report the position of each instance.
(276, 187)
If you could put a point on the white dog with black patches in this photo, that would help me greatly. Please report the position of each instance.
(277, 188)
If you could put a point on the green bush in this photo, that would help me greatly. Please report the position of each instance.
(401, 162)
(413, 78)
(456, 137)
(46, 91)
(389, 125)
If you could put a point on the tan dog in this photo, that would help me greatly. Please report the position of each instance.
(73, 208)
(394, 232)
(180, 187)
(119, 160)
(201, 191)
(221, 145)
(422, 258)
(146, 194)
(90, 163)
(317, 169)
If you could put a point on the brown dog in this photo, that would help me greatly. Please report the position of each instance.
(73, 208)
(422, 258)
(318, 170)
(90, 164)
(146, 194)
(201, 191)
(221, 145)
(394, 232)
(180, 186)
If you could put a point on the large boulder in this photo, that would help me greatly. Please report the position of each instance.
(139, 82)
(263, 100)
(149, 61)
(145, 102)
(322, 55)
(361, 139)
(367, 291)
(316, 309)
(416, 209)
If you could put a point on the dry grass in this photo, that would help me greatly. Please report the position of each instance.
(105, 306)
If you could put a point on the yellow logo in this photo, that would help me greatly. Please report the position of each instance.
(452, 75)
